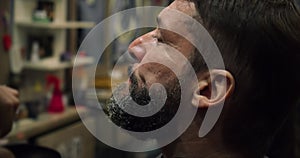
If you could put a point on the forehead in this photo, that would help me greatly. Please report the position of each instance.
(178, 13)
(179, 17)
(186, 6)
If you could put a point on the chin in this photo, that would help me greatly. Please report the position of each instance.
(140, 95)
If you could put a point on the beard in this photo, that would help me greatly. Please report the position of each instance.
(140, 95)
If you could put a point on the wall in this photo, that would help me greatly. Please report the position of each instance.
(4, 56)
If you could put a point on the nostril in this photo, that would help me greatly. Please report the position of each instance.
(137, 52)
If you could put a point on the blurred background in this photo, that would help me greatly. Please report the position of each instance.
(39, 41)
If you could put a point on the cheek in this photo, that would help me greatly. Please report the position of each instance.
(186, 48)
(162, 62)
(156, 73)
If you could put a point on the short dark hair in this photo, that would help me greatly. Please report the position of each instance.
(260, 44)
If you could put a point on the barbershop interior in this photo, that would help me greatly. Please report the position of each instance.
(64, 59)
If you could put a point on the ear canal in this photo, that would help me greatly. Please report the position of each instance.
(202, 94)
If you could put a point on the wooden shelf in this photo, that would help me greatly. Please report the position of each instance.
(56, 25)
(82, 61)
(53, 64)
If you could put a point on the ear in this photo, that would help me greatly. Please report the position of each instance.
(213, 88)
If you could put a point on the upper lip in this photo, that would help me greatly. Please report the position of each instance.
(137, 53)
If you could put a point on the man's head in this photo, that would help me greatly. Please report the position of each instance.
(158, 45)
(259, 42)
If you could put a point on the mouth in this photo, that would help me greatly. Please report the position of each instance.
(137, 88)
(134, 77)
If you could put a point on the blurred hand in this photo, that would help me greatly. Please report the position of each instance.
(9, 103)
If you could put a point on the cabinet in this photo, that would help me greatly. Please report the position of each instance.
(24, 24)
(51, 36)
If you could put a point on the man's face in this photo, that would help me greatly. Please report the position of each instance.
(158, 45)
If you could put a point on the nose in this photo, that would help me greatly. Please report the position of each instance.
(137, 47)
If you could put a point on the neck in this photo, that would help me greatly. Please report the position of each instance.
(189, 145)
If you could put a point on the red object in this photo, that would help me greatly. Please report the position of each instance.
(157, 2)
(56, 103)
(6, 42)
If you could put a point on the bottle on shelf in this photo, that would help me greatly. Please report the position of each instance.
(35, 52)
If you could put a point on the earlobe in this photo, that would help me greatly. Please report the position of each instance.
(213, 88)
